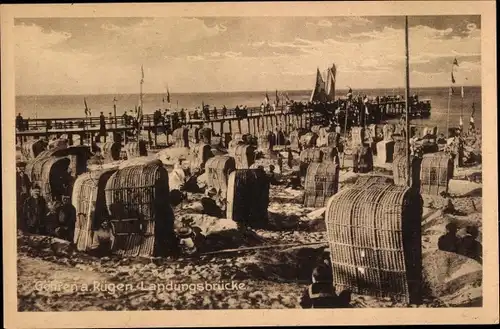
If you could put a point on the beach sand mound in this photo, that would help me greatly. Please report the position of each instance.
(452, 279)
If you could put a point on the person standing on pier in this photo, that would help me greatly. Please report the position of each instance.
(183, 116)
(19, 122)
(126, 119)
(102, 124)
(224, 111)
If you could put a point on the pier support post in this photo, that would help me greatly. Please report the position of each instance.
(230, 127)
(239, 126)
(248, 126)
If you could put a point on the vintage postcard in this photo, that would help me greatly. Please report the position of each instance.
(225, 164)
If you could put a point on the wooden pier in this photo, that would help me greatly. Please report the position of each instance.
(249, 120)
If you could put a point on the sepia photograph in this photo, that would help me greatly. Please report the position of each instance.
(249, 162)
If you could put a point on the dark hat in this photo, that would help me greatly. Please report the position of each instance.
(21, 164)
(451, 226)
(36, 187)
(322, 274)
(472, 230)
(184, 232)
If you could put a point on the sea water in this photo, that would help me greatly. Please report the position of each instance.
(72, 106)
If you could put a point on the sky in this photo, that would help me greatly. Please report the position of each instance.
(224, 54)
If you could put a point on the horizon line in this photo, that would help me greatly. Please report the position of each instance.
(240, 91)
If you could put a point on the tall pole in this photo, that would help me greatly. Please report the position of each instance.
(345, 130)
(407, 105)
(448, 111)
(461, 110)
(140, 112)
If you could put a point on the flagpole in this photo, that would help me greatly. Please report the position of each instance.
(140, 112)
(462, 110)
(114, 112)
(407, 105)
(448, 110)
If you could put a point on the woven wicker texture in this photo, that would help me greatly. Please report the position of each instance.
(330, 154)
(368, 180)
(375, 241)
(266, 141)
(362, 159)
(218, 169)
(294, 138)
(205, 135)
(385, 152)
(181, 137)
(430, 131)
(436, 170)
(322, 137)
(315, 129)
(388, 131)
(90, 203)
(399, 148)
(244, 155)
(322, 181)
(248, 197)
(371, 133)
(46, 173)
(399, 170)
(31, 149)
(358, 136)
(137, 198)
(199, 154)
(308, 156)
(326, 138)
(58, 143)
(193, 135)
(308, 140)
(136, 149)
(110, 151)
(78, 155)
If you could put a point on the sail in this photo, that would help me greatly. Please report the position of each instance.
(330, 82)
(318, 93)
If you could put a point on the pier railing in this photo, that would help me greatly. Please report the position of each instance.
(387, 108)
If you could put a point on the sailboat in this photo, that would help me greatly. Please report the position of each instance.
(331, 76)
(319, 92)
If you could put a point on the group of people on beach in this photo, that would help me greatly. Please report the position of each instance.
(37, 216)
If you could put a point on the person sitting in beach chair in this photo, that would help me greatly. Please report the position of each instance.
(66, 220)
(103, 240)
(321, 293)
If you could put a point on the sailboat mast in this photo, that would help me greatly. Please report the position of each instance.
(407, 105)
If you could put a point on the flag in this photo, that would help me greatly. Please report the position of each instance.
(142, 74)
(455, 62)
(266, 99)
(452, 77)
(86, 107)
